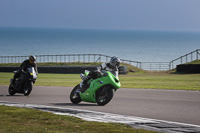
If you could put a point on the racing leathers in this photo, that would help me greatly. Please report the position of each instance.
(96, 73)
(22, 70)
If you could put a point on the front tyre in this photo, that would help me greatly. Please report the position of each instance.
(74, 95)
(11, 90)
(104, 95)
(28, 88)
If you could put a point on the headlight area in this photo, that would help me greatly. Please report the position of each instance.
(116, 80)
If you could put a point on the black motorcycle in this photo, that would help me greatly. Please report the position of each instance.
(26, 80)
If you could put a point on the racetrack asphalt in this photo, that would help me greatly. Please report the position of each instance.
(170, 105)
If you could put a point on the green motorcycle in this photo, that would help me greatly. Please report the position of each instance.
(100, 90)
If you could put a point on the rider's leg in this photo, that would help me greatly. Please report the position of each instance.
(84, 82)
(21, 81)
(17, 74)
(91, 75)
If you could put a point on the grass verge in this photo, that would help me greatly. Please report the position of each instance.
(138, 79)
(19, 120)
(155, 80)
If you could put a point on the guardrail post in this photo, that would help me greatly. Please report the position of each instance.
(181, 60)
(84, 58)
(186, 59)
(78, 57)
(191, 57)
(139, 65)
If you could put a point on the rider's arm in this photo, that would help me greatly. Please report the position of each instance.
(116, 74)
(22, 66)
(102, 67)
(35, 67)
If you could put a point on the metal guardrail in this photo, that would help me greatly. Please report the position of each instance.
(192, 56)
(68, 58)
(155, 66)
(86, 58)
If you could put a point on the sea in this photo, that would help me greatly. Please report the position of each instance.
(142, 46)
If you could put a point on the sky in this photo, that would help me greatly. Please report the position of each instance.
(179, 15)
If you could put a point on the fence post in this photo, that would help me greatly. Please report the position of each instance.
(78, 57)
(84, 58)
(186, 59)
(181, 60)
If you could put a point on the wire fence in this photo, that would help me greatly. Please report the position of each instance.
(87, 58)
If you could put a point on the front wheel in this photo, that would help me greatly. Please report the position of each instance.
(11, 90)
(104, 95)
(75, 96)
(28, 88)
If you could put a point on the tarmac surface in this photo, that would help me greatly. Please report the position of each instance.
(169, 108)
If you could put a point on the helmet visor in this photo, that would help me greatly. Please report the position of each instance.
(117, 64)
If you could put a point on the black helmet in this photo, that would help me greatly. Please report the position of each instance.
(32, 59)
(115, 62)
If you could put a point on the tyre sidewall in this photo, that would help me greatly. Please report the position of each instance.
(28, 88)
(78, 98)
(11, 90)
(108, 97)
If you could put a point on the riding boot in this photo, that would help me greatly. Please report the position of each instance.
(84, 82)
(13, 82)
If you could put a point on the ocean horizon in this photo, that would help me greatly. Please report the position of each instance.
(142, 46)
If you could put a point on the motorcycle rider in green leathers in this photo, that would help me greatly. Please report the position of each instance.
(111, 66)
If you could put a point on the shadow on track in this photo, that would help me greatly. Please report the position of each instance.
(71, 104)
(10, 95)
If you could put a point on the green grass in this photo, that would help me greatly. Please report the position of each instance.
(162, 80)
(194, 62)
(155, 80)
(18, 120)
(138, 79)
(129, 67)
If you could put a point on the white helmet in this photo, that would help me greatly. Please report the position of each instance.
(115, 62)
(32, 59)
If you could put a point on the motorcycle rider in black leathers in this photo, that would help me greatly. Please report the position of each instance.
(31, 62)
(112, 67)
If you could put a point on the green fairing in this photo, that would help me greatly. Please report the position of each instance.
(89, 94)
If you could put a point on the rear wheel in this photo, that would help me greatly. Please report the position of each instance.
(28, 88)
(104, 95)
(74, 95)
(11, 90)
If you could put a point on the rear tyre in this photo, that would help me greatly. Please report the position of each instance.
(75, 96)
(104, 95)
(28, 88)
(11, 90)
